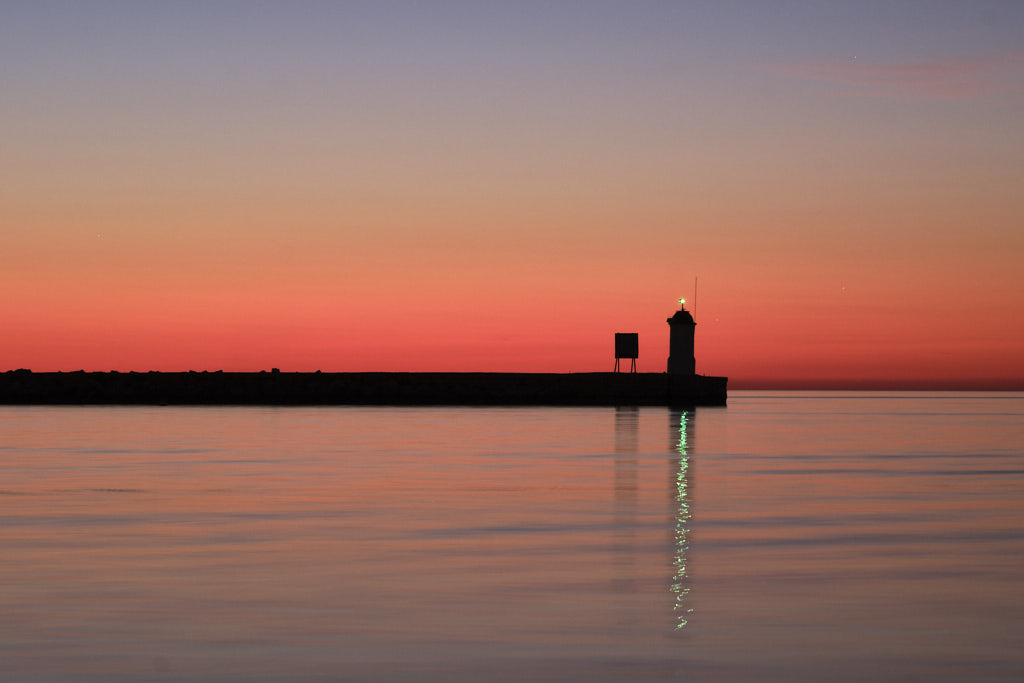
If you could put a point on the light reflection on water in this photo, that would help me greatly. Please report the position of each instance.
(680, 585)
(831, 537)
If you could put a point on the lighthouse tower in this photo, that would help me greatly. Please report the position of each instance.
(680, 342)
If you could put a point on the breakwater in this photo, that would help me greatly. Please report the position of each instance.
(359, 388)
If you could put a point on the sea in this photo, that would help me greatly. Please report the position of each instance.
(789, 536)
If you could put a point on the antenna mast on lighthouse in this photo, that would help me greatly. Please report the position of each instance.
(695, 298)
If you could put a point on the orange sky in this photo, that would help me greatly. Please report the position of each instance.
(485, 189)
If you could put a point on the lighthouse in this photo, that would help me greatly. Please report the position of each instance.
(680, 342)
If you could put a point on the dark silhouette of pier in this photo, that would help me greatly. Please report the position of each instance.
(359, 388)
(679, 387)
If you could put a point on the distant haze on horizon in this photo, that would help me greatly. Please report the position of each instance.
(481, 186)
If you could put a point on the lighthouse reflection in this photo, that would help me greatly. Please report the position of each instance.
(627, 515)
(680, 441)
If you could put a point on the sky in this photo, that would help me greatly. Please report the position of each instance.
(501, 186)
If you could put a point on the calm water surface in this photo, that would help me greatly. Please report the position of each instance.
(790, 536)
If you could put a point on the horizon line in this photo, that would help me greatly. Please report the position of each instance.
(741, 384)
